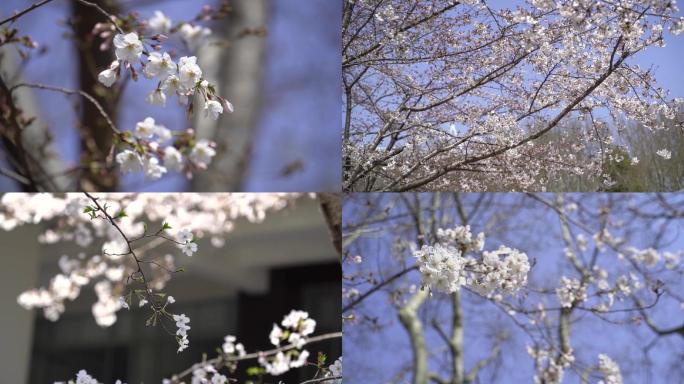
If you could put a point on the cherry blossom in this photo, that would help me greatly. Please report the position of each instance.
(129, 161)
(212, 216)
(159, 22)
(468, 96)
(213, 108)
(297, 326)
(108, 76)
(445, 266)
(610, 370)
(194, 35)
(128, 47)
(664, 153)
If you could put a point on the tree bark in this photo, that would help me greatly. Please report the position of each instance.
(96, 136)
(408, 315)
(237, 72)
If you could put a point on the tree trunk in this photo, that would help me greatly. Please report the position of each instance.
(237, 71)
(96, 134)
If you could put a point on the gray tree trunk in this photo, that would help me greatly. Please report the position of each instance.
(237, 71)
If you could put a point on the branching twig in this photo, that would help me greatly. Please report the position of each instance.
(220, 360)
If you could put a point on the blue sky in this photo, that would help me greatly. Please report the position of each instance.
(375, 356)
(301, 92)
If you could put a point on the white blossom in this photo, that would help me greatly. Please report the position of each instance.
(610, 370)
(157, 97)
(230, 347)
(128, 47)
(160, 65)
(153, 170)
(571, 292)
(194, 36)
(202, 153)
(664, 153)
(213, 108)
(173, 159)
(108, 76)
(159, 23)
(145, 129)
(189, 73)
(129, 161)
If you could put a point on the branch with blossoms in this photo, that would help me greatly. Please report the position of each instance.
(124, 259)
(447, 95)
(297, 326)
(274, 361)
(157, 301)
(139, 47)
(611, 268)
(133, 280)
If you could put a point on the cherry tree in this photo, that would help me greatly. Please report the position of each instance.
(132, 270)
(468, 288)
(157, 51)
(460, 95)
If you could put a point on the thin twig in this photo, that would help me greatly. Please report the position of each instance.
(109, 16)
(219, 360)
(72, 92)
(322, 379)
(25, 11)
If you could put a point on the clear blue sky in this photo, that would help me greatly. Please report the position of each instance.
(375, 356)
(301, 92)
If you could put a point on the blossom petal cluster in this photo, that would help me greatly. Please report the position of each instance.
(610, 370)
(212, 215)
(550, 368)
(296, 326)
(182, 326)
(448, 264)
(186, 242)
(335, 370)
(149, 150)
(207, 374)
(566, 67)
(231, 347)
(183, 78)
(82, 377)
(571, 292)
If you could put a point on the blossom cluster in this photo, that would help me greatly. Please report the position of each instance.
(610, 370)
(651, 257)
(524, 70)
(335, 370)
(550, 369)
(183, 78)
(205, 374)
(231, 347)
(296, 326)
(571, 292)
(182, 326)
(187, 216)
(447, 265)
(152, 152)
(82, 377)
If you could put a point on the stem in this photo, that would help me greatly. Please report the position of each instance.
(66, 91)
(25, 11)
(219, 360)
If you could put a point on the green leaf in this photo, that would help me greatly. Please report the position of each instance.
(120, 214)
(321, 359)
(255, 371)
(165, 226)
